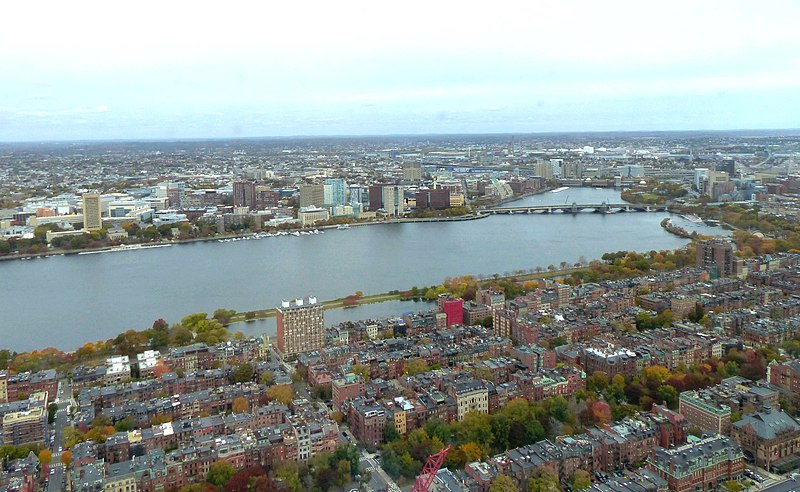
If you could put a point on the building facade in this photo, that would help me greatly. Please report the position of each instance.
(92, 212)
(301, 327)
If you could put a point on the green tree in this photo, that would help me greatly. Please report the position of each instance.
(733, 486)
(503, 483)
(288, 473)
(192, 320)
(219, 473)
(581, 480)
(544, 480)
(266, 378)
(224, 315)
(51, 413)
(415, 366)
(668, 394)
(243, 373)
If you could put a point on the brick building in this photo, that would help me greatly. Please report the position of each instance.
(700, 466)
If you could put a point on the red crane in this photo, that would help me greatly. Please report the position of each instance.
(428, 475)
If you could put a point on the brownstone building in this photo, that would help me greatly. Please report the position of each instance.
(771, 438)
(699, 467)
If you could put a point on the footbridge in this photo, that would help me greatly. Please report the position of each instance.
(600, 208)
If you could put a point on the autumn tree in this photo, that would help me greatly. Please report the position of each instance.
(282, 393)
(66, 458)
(45, 457)
(240, 405)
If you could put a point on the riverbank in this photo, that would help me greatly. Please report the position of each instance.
(170, 242)
(677, 230)
(342, 302)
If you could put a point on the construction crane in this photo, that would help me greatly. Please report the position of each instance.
(428, 474)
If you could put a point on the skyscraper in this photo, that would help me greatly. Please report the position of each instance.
(301, 327)
(393, 200)
(335, 191)
(92, 214)
(244, 194)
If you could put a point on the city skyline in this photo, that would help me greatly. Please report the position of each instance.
(174, 73)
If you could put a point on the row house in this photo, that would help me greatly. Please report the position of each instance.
(22, 385)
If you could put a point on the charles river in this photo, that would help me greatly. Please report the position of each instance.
(66, 301)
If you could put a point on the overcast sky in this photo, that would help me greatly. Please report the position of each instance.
(170, 69)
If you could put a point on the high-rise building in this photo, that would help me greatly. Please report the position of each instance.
(700, 179)
(375, 197)
(301, 327)
(412, 172)
(453, 307)
(312, 195)
(176, 192)
(335, 191)
(393, 200)
(244, 194)
(717, 255)
(92, 213)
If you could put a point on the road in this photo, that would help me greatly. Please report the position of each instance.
(56, 479)
(380, 481)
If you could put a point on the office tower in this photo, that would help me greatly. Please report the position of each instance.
(312, 195)
(92, 216)
(244, 194)
(301, 327)
(412, 172)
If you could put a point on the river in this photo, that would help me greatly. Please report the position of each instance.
(66, 301)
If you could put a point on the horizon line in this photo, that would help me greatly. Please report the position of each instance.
(393, 135)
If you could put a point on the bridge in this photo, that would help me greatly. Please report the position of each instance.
(600, 208)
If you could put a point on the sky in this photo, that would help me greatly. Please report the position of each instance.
(172, 69)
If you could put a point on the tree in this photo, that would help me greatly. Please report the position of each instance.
(45, 457)
(282, 393)
(288, 473)
(503, 483)
(66, 458)
(219, 473)
(266, 378)
(224, 315)
(51, 413)
(240, 405)
(668, 394)
(733, 486)
(416, 366)
(241, 481)
(362, 370)
(581, 480)
(472, 452)
(243, 373)
(544, 480)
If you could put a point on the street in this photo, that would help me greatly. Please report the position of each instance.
(55, 480)
(380, 481)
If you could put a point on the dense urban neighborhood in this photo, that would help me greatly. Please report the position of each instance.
(636, 371)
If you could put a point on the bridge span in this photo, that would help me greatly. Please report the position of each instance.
(600, 208)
